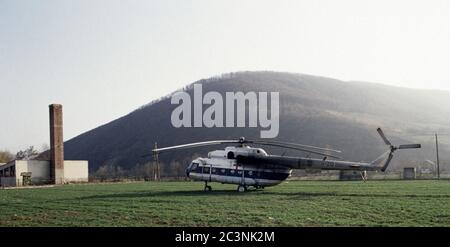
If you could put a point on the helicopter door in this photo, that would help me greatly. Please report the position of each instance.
(206, 171)
(210, 171)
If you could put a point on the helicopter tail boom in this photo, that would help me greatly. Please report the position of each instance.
(379, 164)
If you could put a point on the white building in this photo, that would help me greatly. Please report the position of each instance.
(53, 171)
(22, 172)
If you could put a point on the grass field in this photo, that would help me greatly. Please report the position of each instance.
(294, 203)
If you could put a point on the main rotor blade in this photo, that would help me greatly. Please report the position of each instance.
(291, 147)
(196, 144)
(407, 146)
(302, 146)
(384, 137)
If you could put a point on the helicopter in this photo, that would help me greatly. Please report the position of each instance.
(248, 166)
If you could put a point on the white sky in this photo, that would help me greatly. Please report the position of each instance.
(103, 59)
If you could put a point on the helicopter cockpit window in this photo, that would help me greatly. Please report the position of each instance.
(230, 155)
(194, 166)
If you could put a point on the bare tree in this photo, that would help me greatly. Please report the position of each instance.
(108, 172)
(27, 154)
(6, 156)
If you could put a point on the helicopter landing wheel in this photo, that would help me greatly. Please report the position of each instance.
(242, 188)
(207, 187)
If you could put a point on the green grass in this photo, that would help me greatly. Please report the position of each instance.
(294, 203)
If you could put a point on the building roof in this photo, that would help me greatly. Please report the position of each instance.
(9, 162)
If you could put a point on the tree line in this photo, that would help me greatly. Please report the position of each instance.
(147, 172)
(27, 154)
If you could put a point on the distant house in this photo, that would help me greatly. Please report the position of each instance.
(351, 175)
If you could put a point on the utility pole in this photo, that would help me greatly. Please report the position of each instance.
(437, 157)
(156, 164)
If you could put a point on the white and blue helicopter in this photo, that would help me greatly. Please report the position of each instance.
(249, 166)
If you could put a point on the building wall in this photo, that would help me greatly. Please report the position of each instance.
(7, 180)
(76, 171)
(40, 171)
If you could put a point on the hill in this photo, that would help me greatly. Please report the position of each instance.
(313, 110)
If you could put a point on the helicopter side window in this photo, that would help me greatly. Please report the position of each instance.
(230, 155)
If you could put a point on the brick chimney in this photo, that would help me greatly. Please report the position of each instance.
(56, 144)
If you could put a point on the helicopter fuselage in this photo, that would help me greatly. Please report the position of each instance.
(221, 166)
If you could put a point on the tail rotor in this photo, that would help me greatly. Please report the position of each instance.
(393, 149)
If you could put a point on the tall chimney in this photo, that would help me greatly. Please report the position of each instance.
(56, 144)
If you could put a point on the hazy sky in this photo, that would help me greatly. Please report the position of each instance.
(102, 59)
